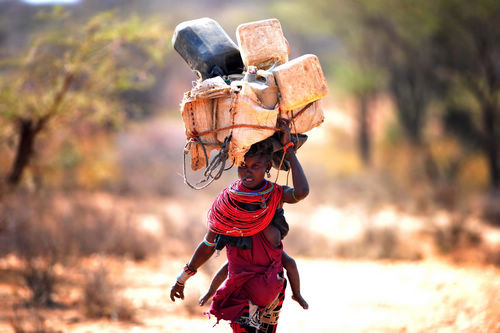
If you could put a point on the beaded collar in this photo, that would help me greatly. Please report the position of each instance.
(262, 191)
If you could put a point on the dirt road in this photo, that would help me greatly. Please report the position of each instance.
(344, 296)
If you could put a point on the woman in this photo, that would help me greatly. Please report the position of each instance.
(240, 219)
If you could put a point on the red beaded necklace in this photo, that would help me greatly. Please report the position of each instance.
(229, 218)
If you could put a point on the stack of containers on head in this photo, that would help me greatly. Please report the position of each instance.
(300, 82)
(246, 107)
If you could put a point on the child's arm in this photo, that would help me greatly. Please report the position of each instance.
(293, 276)
(300, 188)
(217, 280)
(202, 253)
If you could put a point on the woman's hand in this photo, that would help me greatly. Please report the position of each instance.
(177, 291)
(284, 126)
(300, 188)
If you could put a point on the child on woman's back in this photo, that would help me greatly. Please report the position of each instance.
(274, 233)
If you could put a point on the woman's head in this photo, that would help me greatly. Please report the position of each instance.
(257, 162)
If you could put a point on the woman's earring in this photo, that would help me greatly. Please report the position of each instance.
(268, 174)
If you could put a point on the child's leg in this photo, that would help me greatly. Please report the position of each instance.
(293, 276)
(217, 280)
(272, 235)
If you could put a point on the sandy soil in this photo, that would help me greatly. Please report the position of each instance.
(344, 296)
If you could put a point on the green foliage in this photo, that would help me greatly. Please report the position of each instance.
(356, 79)
(78, 71)
(82, 69)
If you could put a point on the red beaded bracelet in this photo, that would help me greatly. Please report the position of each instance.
(288, 145)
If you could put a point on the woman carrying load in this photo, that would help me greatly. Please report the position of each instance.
(246, 219)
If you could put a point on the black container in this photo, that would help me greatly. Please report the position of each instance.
(207, 48)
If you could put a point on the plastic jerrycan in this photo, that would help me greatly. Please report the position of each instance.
(300, 81)
(262, 43)
(263, 85)
(207, 48)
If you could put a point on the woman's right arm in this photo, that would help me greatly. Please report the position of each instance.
(202, 253)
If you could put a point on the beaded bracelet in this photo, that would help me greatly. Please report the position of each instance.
(288, 145)
(189, 271)
(185, 275)
(207, 243)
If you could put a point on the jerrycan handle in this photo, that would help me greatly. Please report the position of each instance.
(266, 77)
(251, 74)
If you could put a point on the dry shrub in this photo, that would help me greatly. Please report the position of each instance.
(28, 231)
(40, 279)
(33, 227)
(101, 300)
(375, 243)
(492, 256)
(446, 195)
(90, 231)
(31, 321)
(33, 239)
(304, 242)
(378, 243)
(125, 239)
(491, 209)
(455, 235)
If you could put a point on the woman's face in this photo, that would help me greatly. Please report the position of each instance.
(253, 171)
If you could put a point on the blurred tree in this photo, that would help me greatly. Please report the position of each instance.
(431, 50)
(403, 36)
(357, 78)
(385, 45)
(76, 71)
(351, 68)
(469, 36)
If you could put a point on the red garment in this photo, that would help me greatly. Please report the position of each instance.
(268, 317)
(253, 275)
(228, 217)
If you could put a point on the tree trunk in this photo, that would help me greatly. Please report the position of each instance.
(410, 106)
(364, 130)
(492, 145)
(27, 133)
(28, 130)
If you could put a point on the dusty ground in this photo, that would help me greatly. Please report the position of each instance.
(344, 296)
(434, 294)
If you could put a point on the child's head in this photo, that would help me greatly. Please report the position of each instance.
(257, 162)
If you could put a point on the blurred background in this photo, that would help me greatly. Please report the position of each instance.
(401, 230)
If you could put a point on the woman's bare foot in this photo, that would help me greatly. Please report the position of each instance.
(299, 299)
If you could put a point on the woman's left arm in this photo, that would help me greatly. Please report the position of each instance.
(300, 188)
